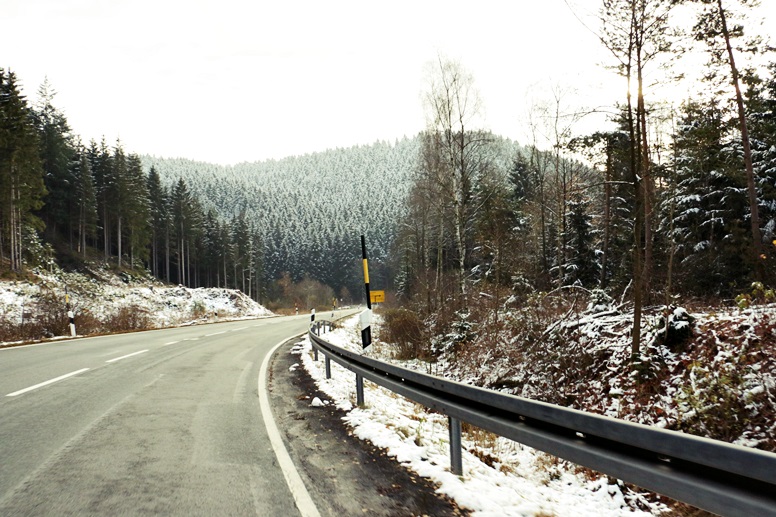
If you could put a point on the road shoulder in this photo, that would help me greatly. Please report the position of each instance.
(344, 475)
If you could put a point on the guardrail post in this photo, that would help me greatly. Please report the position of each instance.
(328, 366)
(359, 390)
(456, 461)
(315, 353)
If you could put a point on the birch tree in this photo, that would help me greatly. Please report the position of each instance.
(454, 117)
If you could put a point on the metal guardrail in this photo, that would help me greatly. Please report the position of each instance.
(719, 477)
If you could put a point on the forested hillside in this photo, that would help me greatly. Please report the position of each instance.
(310, 210)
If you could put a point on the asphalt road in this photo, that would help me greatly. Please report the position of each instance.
(169, 422)
(161, 422)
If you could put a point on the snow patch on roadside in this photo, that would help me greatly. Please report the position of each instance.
(514, 480)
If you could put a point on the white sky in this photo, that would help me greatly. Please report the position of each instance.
(227, 81)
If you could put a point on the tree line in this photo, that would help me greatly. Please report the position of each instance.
(668, 200)
(61, 197)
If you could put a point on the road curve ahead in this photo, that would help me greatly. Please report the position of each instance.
(161, 422)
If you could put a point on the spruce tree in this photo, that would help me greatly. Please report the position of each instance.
(709, 225)
(56, 152)
(159, 220)
(137, 210)
(21, 172)
(181, 203)
(85, 203)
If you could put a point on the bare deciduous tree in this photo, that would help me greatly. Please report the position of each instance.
(455, 136)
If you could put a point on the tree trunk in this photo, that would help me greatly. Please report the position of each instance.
(118, 234)
(646, 180)
(637, 227)
(607, 222)
(750, 184)
(167, 253)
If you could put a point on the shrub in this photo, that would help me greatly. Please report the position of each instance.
(51, 316)
(405, 330)
(198, 310)
(128, 318)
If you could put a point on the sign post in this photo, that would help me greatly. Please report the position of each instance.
(366, 316)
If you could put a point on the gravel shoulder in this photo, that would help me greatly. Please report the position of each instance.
(344, 475)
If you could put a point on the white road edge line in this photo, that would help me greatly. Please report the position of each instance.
(294, 481)
(125, 356)
(46, 383)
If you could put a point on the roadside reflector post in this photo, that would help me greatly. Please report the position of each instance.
(359, 390)
(365, 318)
(72, 323)
(456, 461)
(70, 314)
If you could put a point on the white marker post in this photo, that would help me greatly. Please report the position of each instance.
(70, 314)
(72, 323)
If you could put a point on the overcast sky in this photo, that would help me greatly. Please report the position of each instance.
(227, 81)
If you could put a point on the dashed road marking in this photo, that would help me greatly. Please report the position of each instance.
(125, 356)
(46, 383)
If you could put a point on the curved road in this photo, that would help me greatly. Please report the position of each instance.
(160, 422)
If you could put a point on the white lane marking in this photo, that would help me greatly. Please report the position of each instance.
(294, 481)
(171, 343)
(125, 356)
(241, 328)
(46, 383)
(215, 333)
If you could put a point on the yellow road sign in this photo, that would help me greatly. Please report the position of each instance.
(377, 296)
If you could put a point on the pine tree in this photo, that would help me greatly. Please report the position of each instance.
(85, 203)
(120, 196)
(159, 220)
(138, 210)
(241, 246)
(57, 152)
(101, 163)
(182, 211)
(21, 173)
(761, 113)
(582, 267)
(710, 199)
(716, 27)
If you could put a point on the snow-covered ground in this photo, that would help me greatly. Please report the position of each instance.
(501, 477)
(100, 296)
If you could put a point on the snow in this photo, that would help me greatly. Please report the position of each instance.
(501, 477)
(102, 294)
